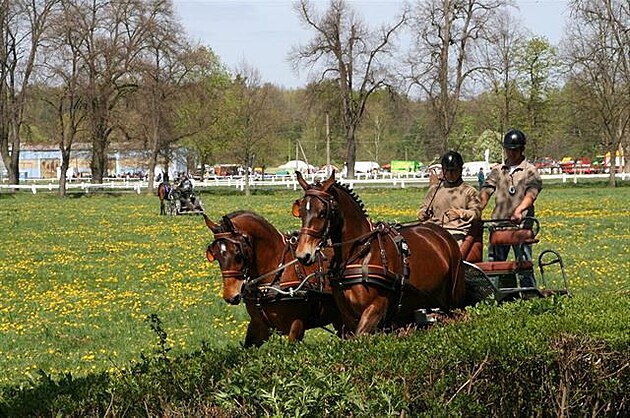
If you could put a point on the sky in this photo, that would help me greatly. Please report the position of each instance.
(260, 33)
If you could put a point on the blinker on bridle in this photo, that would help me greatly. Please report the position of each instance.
(331, 205)
(240, 243)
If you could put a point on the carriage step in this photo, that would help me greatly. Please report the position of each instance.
(428, 316)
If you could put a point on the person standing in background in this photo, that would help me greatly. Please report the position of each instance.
(481, 177)
(516, 185)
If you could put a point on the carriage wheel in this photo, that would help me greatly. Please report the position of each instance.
(172, 208)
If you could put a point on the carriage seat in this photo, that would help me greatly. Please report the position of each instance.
(505, 267)
(509, 236)
(472, 246)
(512, 236)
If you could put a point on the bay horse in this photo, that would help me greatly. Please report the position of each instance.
(258, 266)
(381, 274)
(162, 192)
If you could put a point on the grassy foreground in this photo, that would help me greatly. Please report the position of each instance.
(88, 284)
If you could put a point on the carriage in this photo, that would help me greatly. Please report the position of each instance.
(378, 276)
(180, 199)
(501, 278)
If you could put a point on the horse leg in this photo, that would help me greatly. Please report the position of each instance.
(257, 333)
(162, 207)
(296, 331)
(372, 317)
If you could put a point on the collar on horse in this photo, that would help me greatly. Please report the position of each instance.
(275, 290)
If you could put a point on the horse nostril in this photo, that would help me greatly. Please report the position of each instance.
(306, 259)
(234, 300)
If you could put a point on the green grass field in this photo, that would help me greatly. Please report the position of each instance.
(80, 275)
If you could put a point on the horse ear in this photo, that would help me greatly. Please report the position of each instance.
(329, 181)
(211, 225)
(301, 181)
(227, 224)
(296, 207)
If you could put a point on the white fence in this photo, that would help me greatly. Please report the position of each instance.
(383, 180)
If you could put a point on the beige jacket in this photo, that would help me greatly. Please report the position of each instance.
(454, 206)
(524, 179)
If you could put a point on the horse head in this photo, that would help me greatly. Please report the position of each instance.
(234, 252)
(318, 211)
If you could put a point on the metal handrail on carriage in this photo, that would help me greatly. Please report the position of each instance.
(489, 275)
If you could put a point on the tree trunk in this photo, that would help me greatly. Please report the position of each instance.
(98, 165)
(151, 176)
(65, 163)
(14, 163)
(351, 151)
(246, 180)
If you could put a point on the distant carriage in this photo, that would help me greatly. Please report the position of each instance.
(180, 199)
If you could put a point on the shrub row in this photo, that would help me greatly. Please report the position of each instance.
(548, 357)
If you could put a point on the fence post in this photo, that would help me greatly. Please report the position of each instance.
(34, 189)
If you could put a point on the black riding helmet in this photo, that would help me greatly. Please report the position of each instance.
(452, 160)
(514, 139)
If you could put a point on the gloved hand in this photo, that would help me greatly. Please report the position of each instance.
(422, 215)
(453, 214)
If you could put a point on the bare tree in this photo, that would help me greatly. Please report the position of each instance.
(597, 52)
(500, 71)
(344, 49)
(23, 25)
(116, 32)
(64, 69)
(447, 34)
(164, 67)
(252, 115)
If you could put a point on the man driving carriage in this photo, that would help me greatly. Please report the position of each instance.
(187, 198)
(451, 203)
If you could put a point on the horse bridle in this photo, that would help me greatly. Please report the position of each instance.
(243, 243)
(330, 203)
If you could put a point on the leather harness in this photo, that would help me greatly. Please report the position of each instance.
(356, 269)
(276, 291)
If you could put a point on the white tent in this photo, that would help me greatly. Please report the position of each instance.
(298, 165)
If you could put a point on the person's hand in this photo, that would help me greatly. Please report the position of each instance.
(517, 216)
(433, 178)
(453, 214)
(422, 216)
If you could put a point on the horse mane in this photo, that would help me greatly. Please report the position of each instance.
(241, 212)
(357, 200)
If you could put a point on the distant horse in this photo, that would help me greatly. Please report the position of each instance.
(162, 192)
(381, 274)
(258, 265)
